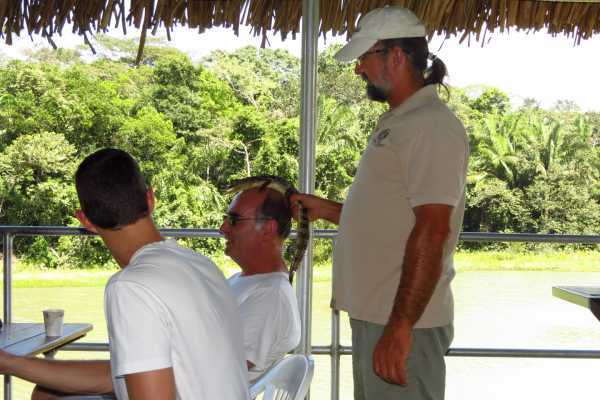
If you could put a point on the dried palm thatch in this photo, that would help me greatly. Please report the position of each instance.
(466, 18)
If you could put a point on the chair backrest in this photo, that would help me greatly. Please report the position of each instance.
(288, 379)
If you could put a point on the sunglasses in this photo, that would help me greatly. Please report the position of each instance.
(234, 219)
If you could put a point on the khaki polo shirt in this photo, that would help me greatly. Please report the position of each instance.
(417, 155)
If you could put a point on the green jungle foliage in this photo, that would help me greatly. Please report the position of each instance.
(195, 127)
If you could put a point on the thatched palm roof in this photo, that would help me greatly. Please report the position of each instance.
(465, 18)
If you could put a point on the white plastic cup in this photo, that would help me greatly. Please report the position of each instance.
(53, 320)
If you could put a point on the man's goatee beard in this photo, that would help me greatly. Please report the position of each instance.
(376, 93)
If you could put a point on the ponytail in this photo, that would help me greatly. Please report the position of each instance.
(435, 74)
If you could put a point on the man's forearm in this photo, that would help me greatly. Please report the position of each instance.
(320, 208)
(422, 268)
(421, 272)
(86, 377)
(331, 211)
(422, 264)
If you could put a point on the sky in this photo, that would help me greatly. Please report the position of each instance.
(534, 65)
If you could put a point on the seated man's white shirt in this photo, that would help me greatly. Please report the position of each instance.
(270, 317)
(172, 308)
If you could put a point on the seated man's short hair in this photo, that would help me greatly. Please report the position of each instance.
(111, 189)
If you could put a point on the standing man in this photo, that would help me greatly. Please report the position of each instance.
(256, 225)
(173, 325)
(393, 259)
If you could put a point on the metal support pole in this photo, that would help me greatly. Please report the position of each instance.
(308, 123)
(7, 247)
(308, 128)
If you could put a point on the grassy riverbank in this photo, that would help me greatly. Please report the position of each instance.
(551, 261)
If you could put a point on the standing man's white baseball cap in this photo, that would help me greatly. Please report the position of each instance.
(390, 22)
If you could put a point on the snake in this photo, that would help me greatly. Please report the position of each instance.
(284, 187)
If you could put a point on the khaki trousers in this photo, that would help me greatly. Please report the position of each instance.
(426, 368)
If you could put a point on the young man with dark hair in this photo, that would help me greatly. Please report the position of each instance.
(393, 258)
(173, 325)
(255, 227)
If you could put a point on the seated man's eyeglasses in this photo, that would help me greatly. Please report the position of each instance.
(234, 219)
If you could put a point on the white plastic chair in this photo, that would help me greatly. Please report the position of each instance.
(288, 379)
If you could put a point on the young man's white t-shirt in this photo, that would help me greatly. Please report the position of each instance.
(172, 308)
(270, 317)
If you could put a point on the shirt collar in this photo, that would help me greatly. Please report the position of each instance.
(427, 94)
(166, 242)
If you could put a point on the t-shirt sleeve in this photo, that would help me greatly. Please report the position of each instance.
(138, 329)
(435, 167)
(263, 321)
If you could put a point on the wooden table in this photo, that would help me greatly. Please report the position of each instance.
(28, 339)
(585, 296)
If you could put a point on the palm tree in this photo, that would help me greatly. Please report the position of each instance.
(496, 146)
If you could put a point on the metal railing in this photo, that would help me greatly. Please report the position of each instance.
(335, 350)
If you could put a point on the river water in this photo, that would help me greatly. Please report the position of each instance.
(502, 310)
(517, 310)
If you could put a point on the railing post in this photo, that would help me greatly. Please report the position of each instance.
(335, 354)
(7, 250)
(335, 346)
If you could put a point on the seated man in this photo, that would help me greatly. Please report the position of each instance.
(173, 325)
(256, 225)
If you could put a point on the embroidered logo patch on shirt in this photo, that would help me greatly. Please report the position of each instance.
(380, 136)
